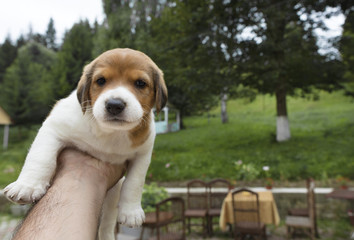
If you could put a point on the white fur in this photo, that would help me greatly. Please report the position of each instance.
(68, 126)
(132, 112)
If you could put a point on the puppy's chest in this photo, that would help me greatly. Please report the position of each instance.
(113, 149)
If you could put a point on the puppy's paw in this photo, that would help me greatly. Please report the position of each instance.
(22, 192)
(131, 216)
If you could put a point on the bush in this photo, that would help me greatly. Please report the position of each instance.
(152, 194)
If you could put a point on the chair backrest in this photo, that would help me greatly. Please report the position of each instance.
(245, 202)
(217, 191)
(170, 221)
(311, 201)
(197, 195)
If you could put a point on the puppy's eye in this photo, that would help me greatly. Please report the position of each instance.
(140, 84)
(101, 81)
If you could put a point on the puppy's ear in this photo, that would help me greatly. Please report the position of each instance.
(160, 90)
(83, 87)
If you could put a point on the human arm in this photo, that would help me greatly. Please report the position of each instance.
(71, 208)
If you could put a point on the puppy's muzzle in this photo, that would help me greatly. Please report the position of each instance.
(115, 106)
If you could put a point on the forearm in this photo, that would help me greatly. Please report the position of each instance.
(69, 210)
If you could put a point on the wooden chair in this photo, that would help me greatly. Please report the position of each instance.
(217, 191)
(249, 223)
(308, 222)
(304, 212)
(168, 220)
(197, 204)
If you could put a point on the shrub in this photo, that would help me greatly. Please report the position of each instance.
(246, 171)
(152, 194)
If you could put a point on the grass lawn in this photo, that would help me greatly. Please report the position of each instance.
(12, 159)
(321, 145)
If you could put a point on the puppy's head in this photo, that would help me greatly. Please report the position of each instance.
(120, 87)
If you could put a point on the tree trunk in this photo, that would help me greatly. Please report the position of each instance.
(224, 117)
(181, 124)
(283, 129)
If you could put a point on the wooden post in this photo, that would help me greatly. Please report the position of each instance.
(6, 136)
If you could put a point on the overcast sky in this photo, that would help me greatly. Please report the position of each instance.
(16, 16)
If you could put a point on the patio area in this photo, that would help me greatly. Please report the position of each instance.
(332, 217)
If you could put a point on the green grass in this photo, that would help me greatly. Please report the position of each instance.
(12, 159)
(321, 145)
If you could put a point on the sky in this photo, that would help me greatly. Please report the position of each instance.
(16, 17)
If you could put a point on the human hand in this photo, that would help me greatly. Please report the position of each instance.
(81, 166)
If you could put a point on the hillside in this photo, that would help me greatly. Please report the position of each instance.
(321, 145)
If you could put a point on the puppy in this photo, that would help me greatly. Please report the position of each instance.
(110, 117)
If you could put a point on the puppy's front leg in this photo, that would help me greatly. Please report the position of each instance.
(38, 169)
(130, 212)
(109, 213)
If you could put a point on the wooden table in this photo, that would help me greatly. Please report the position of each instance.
(341, 194)
(268, 209)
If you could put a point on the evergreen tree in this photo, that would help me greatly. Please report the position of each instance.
(21, 41)
(194, 42)
(346, 50)
(50, 36)
(26, 92)
(280, 56)
(8, 53)
(115, 32)
(75, 52)
(127, 24)
(188, 65)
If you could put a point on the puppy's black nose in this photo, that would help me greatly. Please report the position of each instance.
(115, 106)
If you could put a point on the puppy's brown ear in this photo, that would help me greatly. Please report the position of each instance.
(160, 90)
(83, 87)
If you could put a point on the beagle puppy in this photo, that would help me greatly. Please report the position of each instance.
(110, 117)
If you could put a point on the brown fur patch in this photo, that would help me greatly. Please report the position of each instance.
(140, 134)
(84, 85)
(123, 67)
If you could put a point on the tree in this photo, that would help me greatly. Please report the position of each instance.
(116, 31)
(221, 44)
(21, 41)
(26, 92)
(75, 52)
(126, 24)
(49, 36)
(346, 49)
(189, 65)
(195, 42)
(280, 56)
(8, 53)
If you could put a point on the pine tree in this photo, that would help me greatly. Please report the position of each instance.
(75, 53)
(346, 49)
(281, 57)
(26, 92)
(50, 36)
(8, 53)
